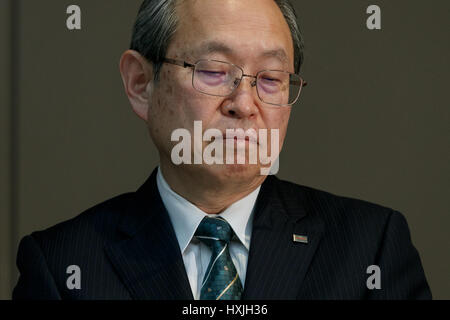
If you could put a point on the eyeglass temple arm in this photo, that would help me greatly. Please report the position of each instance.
(180, 63)
(299, 83)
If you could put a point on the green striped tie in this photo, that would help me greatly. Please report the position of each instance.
(221, 281)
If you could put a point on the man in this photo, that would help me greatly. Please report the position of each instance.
(203, 229)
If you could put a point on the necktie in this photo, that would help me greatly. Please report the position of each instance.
(221, 280)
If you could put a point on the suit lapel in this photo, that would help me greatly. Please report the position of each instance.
(148, 258)
(277, 265)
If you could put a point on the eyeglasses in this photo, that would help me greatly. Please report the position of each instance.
(219, 78)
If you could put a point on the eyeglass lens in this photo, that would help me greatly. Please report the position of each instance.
(222, 78)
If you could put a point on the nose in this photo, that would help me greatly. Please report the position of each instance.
(243, 103)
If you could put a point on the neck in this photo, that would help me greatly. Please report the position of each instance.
(209, 190)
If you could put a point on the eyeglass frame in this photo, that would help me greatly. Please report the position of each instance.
(186, 64)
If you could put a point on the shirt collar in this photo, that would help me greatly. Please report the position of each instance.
(186, 217)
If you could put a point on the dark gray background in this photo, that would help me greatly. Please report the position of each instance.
(373, 122)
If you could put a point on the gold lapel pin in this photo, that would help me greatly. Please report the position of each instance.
(300, 238)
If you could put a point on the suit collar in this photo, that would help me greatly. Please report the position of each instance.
(140, 207)
(277, 265)
(148, 258)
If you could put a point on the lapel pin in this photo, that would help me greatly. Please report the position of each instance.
(300, 238)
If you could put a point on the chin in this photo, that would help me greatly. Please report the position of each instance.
(236, 172)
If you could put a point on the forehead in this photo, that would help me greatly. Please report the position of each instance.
(250, 28)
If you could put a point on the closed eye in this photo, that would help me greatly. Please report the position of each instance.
(211, 73)
(270, 80)
(212, 77)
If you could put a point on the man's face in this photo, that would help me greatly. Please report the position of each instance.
(252, 34)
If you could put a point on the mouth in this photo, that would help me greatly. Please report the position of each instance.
(249, 136)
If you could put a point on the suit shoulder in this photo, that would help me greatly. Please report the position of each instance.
(332, 207)
(97, 221)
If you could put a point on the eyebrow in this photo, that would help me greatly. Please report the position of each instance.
(220, 47)
(213, 47)
(276, 53)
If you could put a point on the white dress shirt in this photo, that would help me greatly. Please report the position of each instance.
(186, 217)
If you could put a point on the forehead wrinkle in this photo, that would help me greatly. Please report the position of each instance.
(211, 46)
(214, 46)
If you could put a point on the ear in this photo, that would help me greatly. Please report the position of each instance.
(137, 75)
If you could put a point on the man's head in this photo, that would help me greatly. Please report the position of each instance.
(254, 35)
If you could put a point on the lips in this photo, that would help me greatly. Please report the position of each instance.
(249, 135)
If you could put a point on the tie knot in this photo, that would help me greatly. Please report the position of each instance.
(212, 229)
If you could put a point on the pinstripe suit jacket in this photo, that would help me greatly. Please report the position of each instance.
(126, 249)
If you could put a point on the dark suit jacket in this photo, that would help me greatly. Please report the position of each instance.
(126, 249)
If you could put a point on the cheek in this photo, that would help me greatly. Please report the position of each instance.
(172, 107)
(285, 120)
(166, 104)
(278, 119)
(166, 84)
(176, 104)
